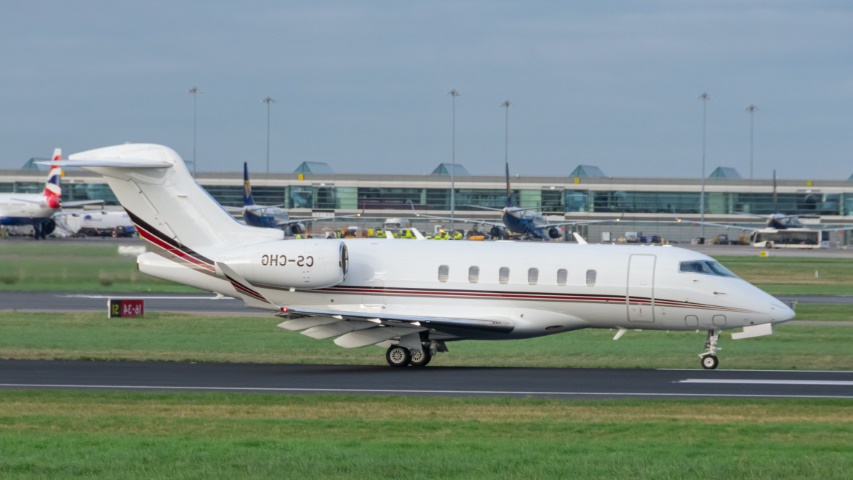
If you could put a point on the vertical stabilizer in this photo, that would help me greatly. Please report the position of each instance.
(248, 201)
(53, 186)
(154, 186)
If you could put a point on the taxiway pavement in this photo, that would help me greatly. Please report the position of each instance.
(430, 381)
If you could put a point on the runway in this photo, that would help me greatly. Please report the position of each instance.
(430, 381)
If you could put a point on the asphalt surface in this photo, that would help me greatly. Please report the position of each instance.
(430, 381)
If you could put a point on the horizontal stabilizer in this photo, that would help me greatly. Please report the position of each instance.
(373, 336)
(118, 163)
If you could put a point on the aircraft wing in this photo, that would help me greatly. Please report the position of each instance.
(576, 222)
(356, 326)
(464, 220)
(723, 225)
(313, 219)
(81, 203)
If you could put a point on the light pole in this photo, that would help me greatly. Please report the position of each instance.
(704, 97)
(453, 94)
(269, 101)
(506, 105)
(194, 91)
(751, 109)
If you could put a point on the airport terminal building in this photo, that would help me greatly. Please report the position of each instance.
(649, 205)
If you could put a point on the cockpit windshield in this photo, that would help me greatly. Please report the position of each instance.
(707, 267)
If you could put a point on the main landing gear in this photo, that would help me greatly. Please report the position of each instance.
(709, 356)
(399, 356)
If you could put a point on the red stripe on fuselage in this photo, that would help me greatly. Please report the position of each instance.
(173, 250)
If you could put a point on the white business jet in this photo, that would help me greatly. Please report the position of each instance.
(412, 297)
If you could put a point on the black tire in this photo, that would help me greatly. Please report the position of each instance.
(398, 356)
(710, 362)
(420, 358)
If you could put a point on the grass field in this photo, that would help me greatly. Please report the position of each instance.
(174, 337)
(47, 434)
(794, 275)
(74, 267)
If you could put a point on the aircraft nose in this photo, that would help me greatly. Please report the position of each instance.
(779, 312)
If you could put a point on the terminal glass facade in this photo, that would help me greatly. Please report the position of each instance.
(550, 200)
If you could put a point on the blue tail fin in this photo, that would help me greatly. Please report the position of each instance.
(248, 201)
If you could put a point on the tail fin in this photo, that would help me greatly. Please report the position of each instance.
(53, 187)
(248, 201)
(166, 204)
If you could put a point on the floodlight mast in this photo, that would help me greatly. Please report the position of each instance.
(704, 97)
(194, 91)
(269, 101)
(751, 109)
(453, 94)
(506, 105)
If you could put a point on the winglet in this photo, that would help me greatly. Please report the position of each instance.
(579, 238)
(250, 296)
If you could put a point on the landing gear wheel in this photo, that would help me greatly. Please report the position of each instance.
(710, 362)
(398, 356)
(420, 358)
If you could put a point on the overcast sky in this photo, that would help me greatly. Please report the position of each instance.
(363, 85)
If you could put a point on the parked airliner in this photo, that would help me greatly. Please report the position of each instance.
(38, 209)
(271, 216)
(414, 297)
(521, 221)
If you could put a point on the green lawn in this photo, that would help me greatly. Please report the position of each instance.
(74, 267)
(49, 434)
(794, 275)
(177, 337)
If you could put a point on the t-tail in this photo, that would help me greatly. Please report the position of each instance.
(169, 208)
(248, 201)
(53, 187)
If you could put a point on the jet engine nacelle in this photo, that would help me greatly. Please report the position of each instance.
(289, 263)
(555, 233)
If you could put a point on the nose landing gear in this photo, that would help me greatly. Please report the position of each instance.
(709, 356)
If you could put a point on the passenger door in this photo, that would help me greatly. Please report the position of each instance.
(641, 288)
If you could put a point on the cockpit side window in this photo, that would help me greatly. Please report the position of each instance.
(720, 270)
(693, 267)
(705, 267)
